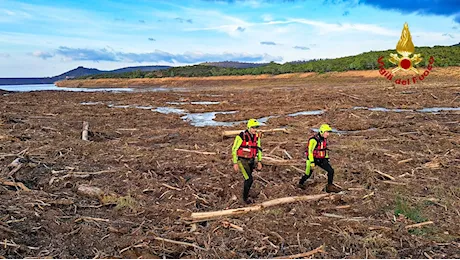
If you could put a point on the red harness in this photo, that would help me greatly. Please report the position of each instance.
(248, 149)
(320, 148)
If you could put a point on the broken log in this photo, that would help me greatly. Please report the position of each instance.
(302, 255)
(232, 212)
(233, 133)
(84, 134)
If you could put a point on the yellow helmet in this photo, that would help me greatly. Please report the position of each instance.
(253, 123)
(324, 128)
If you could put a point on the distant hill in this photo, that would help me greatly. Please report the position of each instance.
(234, 64)
(458, 44)
(444, 56)
(76, 73)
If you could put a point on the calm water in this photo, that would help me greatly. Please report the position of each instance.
(44, 87)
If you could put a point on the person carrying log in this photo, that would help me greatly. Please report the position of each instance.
(246, 149)
(317, 155)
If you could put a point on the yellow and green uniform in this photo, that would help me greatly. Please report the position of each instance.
(236, 145)
(246, 165)
(317, 153)
(312, 146)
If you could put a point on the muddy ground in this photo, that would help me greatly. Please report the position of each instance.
(149, 188)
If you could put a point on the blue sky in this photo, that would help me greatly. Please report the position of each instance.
(41, 38)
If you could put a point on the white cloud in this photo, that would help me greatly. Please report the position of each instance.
(42, 54)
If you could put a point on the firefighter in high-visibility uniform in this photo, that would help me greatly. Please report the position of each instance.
(317, 155)
(245, 151)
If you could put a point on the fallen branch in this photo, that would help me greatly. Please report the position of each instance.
(406, 160)
(298, 169)
(14, 184)
(192, 151)
(179, 243)
(379, 228)
(287, 154)
(170, 187)
(8, 230)
(419, 225)
(385, 175)
(395, 183)
(258, 207)
(369, 195)
(233, 133)
(228, 224)
(91, 219)
(302, 255)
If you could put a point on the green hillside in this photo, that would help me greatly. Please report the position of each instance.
(444, 56)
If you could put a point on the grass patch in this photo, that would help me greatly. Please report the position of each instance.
(121, 202)
(403, 207)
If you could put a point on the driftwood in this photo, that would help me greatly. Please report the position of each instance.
(385, 175)
(395, 183)
(419, 224)
(232, 212)
(170, 187)
(227, 224)
(406, 160)
(233, 133)
(14, 184)
(84, 134)
(192, 151)
(302, 255)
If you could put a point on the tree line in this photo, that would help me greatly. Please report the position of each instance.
(444, 56)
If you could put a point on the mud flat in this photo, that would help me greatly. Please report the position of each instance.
(130, 190)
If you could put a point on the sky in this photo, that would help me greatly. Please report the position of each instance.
(42, 38)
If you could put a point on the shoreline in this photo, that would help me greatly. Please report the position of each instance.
(289, 79)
